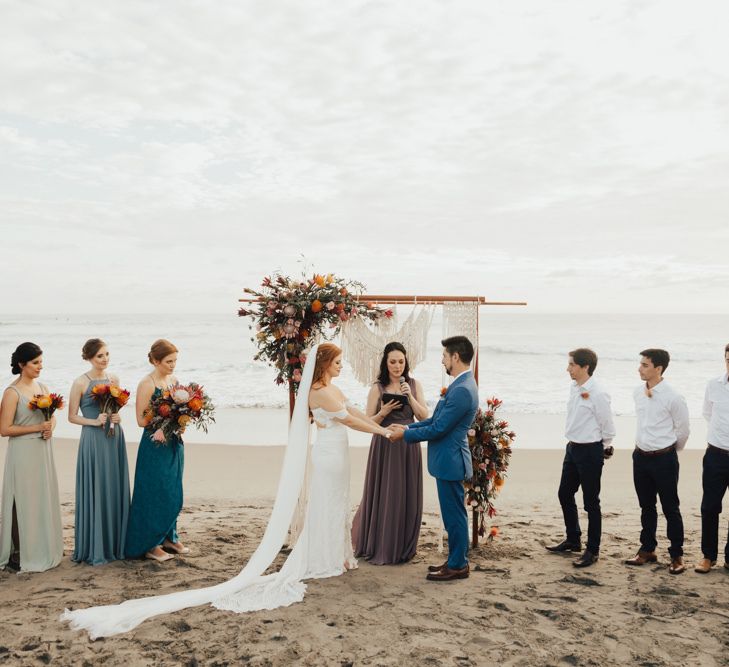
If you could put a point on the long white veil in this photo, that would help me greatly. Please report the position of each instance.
(115, 619)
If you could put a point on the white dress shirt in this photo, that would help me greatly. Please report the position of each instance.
(716, 411)
(662, 418)
(589, 419)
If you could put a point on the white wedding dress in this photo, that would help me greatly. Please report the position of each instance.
(323, 548)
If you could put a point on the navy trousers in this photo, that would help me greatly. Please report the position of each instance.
(715, 480)
(582, 466)
(451, 497)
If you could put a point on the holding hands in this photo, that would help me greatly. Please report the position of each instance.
(397, 431)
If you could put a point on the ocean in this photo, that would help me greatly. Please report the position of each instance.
(523, 355)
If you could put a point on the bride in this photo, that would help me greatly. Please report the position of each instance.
(324, 546)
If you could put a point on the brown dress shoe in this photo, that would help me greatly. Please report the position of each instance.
(704, 566)
(446, 574)
(642, 557)
(677, 566)
(437, 568)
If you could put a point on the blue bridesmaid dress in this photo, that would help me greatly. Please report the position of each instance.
(157, 498)
(102, 489)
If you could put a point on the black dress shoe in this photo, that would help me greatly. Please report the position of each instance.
(586, 559)
(437, 568)
(565, 546)
(446, 574)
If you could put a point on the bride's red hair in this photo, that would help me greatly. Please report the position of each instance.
(325, 354)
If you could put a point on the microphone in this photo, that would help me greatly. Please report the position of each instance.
(403, 381)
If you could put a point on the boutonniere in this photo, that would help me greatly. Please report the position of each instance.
(585, 395)
(443, 391)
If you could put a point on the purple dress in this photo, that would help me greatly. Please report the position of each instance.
(386, 527)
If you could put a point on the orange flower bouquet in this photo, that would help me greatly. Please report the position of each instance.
(180, 406)
(46, 403)
(489, 440)
(288, 312)
(111, 399)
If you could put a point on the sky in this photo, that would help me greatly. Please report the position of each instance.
(161, 156)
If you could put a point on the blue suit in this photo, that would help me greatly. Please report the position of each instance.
(449, 459)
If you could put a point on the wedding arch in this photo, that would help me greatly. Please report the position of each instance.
(291, 314)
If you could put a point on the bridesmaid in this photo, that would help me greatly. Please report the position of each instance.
(157, 498)
(386, 526)
(31, 535)
(102, 473)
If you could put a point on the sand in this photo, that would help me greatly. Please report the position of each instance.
(521, 605)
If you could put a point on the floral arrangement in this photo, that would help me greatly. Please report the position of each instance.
(111, 398)
(46, 403)
(289, 313)
(489, 440)
(173, 410)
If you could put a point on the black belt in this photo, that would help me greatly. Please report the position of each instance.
(657, 452)
(580, 444)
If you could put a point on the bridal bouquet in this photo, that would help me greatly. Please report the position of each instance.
(111, 398)
(489, 440)
(290, 312)
(46, 403)
(180, 406)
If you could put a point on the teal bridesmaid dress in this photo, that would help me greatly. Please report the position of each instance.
(102, 489)
(157, 498)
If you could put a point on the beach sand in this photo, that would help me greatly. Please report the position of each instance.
(521, 605)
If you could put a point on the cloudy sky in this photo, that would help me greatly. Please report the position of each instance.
(572, 153)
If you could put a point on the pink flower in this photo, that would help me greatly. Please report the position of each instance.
(297, 375)
(471, 432)
(289, 310)
(330, 305)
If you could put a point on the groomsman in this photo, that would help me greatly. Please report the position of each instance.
(715, 477)
(663, 429)
(590, 432)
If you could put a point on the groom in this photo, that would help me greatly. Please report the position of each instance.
(449, 458)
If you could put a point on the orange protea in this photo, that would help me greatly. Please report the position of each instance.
(163, 410)
(43, 401)
(316, 306)
(320, 280)
(195, 404)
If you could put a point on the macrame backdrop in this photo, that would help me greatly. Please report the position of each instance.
(362, 344)
(461, 319)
